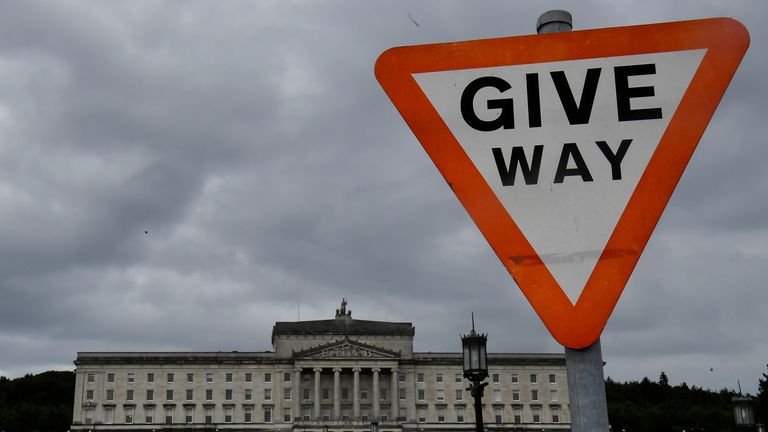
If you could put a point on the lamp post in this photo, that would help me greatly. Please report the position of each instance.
(476, 369)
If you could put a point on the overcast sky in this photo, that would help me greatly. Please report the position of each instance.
(181, 175)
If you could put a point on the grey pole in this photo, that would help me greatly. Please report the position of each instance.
(586, 383)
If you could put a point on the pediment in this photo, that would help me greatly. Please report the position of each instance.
(346, 349)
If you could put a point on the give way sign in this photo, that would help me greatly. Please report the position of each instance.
(566, 147)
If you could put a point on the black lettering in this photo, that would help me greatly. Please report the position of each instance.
(530, 171)
(624, 92)
(571, 151)
(614, 158)
(534, 99)
(577, 114)
(506, 118)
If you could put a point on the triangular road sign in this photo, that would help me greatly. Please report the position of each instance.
(565, 148)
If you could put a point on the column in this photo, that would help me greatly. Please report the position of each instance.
(336, 393)
(376, 413)
(297, 393)
(318, 416)
(394, 395)
(356, 393)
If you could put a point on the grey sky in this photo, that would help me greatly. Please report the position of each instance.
(252, 142)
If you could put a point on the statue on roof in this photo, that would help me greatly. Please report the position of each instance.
(342, 312)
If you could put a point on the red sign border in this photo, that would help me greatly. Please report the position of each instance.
(575, 326)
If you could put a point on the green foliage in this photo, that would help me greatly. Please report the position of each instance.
(37, 403)
(648, 406)
(761, 408)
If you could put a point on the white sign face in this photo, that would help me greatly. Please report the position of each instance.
(563, 144)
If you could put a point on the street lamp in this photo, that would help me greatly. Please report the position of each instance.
(476, 369)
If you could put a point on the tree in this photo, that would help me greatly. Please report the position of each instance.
(761, 408)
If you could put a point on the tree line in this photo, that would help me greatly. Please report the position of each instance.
(43, 403)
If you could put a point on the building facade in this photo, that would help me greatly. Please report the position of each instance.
(336, 375)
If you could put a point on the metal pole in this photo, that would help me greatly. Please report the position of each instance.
(586, 384)
(477, 390)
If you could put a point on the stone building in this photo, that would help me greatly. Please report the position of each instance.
(335, 375)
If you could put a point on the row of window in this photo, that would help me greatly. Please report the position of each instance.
(189, 394)
(287, 377)
(459, 396)
(495, 378)
(170, 377)
(189, 414)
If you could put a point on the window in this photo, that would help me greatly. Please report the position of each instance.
(515, 395)
(534, 395)
(89, 394)
(345, 393)
(364, 394)
(110, 395)
(168, 415)
(91, 378)
(267, 394)
(517, 415)
(209, 394)
(420, 395)
(286, 377)
(457, 378)
(190, 394)
(150, 377)
(267, 414)
(439, 378)
(228, 394)
(169, 395)
(228, 377)
(190, 377)
(497, 415)
(496, 378)
(401, 377)
(536, 414)
(555, 414)
(169, 376)
(460, 414)
(228, 414)
(129, 395)
(534, 379)
(306, 394)
(149, 414)
(208, 415)
(497, 395)
(459, 394)
(287, 394)
(189, 413)
(553, 395)
(382, 394)
(401, 413)
(268, 379)
(248, 394)
(131, 377)
(515, 378)
(326, 394)
(110, 377)
(209, 377)
(248, 414)
(150, 395)
(401, 393)
(109, 415)
(552, 379)
(129, 415)
(420, 377)
(422, 412)
(249, 377)
(441, 414)
(286, 415)
(440, 394)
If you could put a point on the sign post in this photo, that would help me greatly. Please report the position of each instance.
(565, 148)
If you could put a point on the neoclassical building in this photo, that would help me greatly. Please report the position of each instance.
(335, 375)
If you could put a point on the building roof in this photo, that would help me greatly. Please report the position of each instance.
(342, 325)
